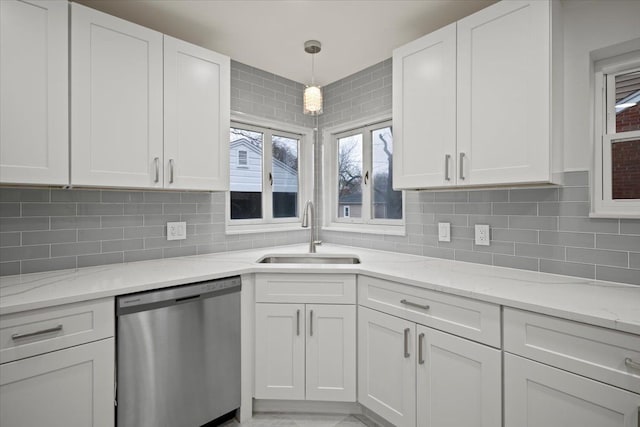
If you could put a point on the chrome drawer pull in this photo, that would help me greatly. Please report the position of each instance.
(156, 161)
(414, 304)
(406, 343)
(447, 157)
(629, 363)
(33, 334)
(420, 351)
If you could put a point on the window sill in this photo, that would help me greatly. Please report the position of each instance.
(263, 228)
(389, 230)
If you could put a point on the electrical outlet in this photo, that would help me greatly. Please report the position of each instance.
(176, 230)
(444, 232)
(482, 235)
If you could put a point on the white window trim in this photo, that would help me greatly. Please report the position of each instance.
(305, 158)
(602, 205)
(329, 190)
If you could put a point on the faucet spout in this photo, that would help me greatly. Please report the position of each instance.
(308, 221)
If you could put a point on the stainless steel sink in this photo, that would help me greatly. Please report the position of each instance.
(309, 259)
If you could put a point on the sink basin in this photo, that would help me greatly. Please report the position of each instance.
(309, 259)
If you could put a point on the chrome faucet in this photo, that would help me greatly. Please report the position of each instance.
(308, 218)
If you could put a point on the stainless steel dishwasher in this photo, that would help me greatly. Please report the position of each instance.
(178, 355)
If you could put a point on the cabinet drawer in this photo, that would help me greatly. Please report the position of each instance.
(40, 331)
(592, 351)
(306, 288)
(475, 320)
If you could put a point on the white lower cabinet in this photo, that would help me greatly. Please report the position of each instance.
(451, 371)
(305, 352)
(66, 388)
(413, 375)
(538, 395)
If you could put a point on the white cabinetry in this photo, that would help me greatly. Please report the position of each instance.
(196, 117)
(424, 111)
(305, 351)
(579, 375)
(58, 366)
(34, 124)
(116, 101)
(146, 112)
(507, 97)
(411, 374)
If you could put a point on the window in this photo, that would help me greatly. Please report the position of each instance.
(268, 186)
(617, 171)
(359, 163)
(242, 158)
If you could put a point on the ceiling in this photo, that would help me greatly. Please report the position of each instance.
(270, 35)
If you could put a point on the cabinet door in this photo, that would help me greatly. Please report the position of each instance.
(34, 124)
(70, 387)
(386, 366)
(424, 111)
(504, 94)
(280, 348)
(537, 395)
(459, 382)
(196, 117)
(331, 353)
(116, 101)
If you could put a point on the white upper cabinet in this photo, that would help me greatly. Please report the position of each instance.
(147, 110)
(116, 101)
(424, 111)
(504, 94)
(34, 132)
(196, 117)
(507, 99)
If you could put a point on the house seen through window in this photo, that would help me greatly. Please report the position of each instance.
(265, 185)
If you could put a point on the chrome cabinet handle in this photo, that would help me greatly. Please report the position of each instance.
(33, 334)
(447, 159)
(420, 351)
(298, 322)
(406, 343)
(629, 363)
(311, 323)
(461, 165)
(414, 304)
(170, 171)
(157, 163)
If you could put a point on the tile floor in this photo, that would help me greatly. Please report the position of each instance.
(279, 419)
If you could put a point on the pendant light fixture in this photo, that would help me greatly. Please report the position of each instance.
(312, 100)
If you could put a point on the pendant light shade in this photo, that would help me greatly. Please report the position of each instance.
(312, 98)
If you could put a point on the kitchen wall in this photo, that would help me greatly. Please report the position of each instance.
(543, 229)
(44, 229)
(539, 229)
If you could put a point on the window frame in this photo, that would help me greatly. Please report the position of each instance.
(366, 223)
(305, 175)
(602, 205)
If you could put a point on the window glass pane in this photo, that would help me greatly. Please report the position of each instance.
(387, 203)
(284, 168)
(628, 102)
(625, 169)
(350, 176)
(246, 178)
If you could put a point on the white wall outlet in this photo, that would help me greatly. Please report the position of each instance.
(444, 231)
(482, 235)
(176, 230)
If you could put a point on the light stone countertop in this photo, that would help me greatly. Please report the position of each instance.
(607, 304)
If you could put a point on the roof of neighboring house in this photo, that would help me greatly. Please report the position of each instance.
(257, 148)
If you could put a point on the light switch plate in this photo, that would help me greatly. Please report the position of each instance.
(482, 235)
(444, 231)
(176, 230)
